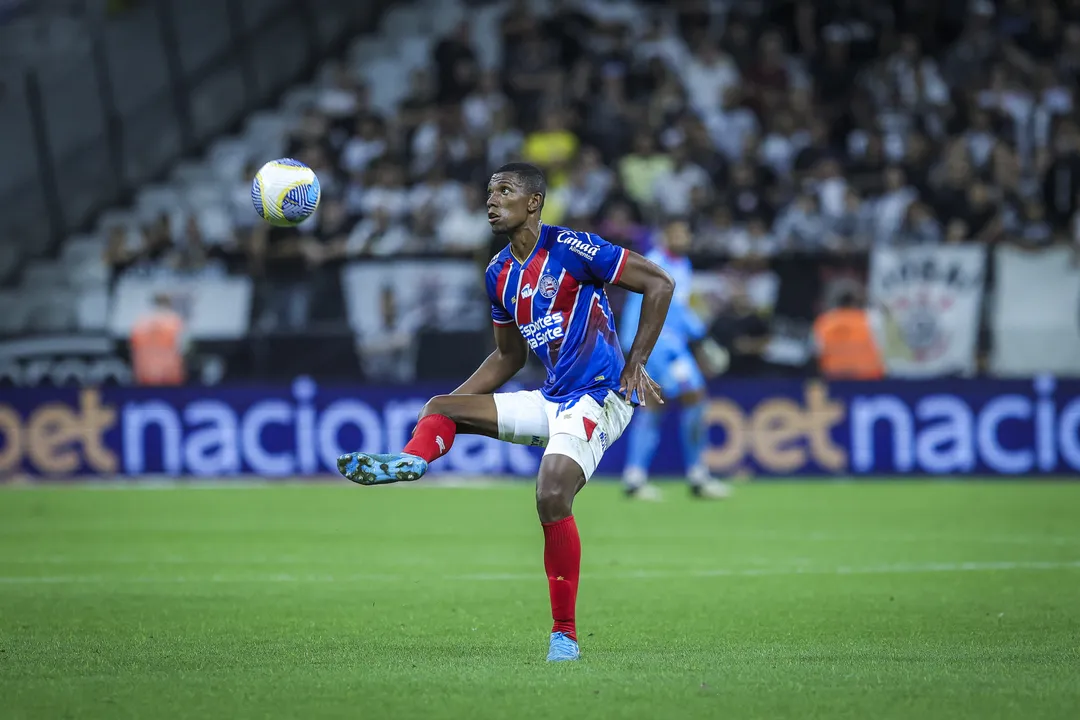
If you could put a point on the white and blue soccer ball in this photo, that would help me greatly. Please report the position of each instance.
(285, 192)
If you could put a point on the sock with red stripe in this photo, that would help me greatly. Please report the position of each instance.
(562, 560)
(432, 438)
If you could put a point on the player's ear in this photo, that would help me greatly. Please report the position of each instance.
(536, 201)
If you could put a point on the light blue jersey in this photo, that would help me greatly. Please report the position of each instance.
(672, 363)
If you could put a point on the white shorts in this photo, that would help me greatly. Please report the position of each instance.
(582, 431)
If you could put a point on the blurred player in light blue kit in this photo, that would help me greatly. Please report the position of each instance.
(681, 352)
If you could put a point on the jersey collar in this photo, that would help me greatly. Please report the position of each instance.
(539, 241)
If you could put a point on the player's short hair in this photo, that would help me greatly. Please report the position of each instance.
(531, 177)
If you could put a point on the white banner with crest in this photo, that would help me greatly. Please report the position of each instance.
(928, 301)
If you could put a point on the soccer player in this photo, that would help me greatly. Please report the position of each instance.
(547, 294)
(676, 363)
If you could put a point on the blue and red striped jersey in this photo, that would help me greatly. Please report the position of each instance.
(557, 299)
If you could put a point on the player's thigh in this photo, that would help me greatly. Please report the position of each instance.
(522, 417)
(473, 414)
(585, 430)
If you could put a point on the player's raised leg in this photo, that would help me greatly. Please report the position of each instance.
(442, 418)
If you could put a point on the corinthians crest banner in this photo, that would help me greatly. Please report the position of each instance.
(928, 303)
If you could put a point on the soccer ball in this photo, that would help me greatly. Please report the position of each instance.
(285, 192)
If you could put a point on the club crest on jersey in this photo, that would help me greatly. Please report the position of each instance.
(548, 286)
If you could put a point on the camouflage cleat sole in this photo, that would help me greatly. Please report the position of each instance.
(370, 469)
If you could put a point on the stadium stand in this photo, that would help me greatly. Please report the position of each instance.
(782, 129)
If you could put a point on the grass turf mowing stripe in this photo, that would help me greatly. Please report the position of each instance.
(949, 567)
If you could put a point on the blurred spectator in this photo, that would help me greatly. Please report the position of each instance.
(122, 250)
(382, 233)
(465, 227)
(641, 169)
(708, 75)
(891, 208)
(552, 145)
(584, 194)
(800, 227)
(455, 63)
(505, 140)
(284, 288)
(618, 225)
(388, 194)
(366, 146)
(743, 333)
(1062, 178)
(731, 123)
(483, 103)
(919, 227)
(746, 193)
(344, 96)
(845, 342)
(158, 345)
(673, 187)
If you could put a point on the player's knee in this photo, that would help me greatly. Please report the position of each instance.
(441, 405)
(559, 481)
(553, 503)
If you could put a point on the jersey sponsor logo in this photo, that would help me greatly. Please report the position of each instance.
(548, 286)
(584, 248)
(542, 331)
(494, 258)
(527, 291)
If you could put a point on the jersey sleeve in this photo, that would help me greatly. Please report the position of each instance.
(590, 258)
(495, 272)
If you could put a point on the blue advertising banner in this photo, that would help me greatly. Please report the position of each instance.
(780, 428)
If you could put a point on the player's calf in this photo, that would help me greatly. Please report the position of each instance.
(559, 481)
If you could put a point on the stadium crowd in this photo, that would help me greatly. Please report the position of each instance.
(775, 127)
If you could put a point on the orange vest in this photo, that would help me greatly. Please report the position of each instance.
(846, 346)
(156, 355)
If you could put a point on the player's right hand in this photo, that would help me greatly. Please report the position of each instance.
(635, 380)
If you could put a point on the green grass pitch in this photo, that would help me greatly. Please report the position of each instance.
(791, 600)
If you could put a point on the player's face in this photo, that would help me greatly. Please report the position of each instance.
(508, 203)
(677, 238)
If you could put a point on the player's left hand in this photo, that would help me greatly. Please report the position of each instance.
(635, 379)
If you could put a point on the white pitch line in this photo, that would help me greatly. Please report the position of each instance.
(898, 569)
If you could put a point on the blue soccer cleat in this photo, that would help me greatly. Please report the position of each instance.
(563, 648)
(370, 469)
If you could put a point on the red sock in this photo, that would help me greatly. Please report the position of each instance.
(432, 438)
(562, 560)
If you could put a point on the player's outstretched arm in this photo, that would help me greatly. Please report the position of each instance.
(656, 288)
(511, 352)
